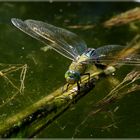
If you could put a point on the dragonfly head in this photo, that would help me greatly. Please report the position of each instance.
(72, 76)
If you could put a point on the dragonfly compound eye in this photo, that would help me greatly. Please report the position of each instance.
(72, 76)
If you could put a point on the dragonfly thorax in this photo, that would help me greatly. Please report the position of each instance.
(89, 52)
(72, 76)
(87, 56)
(78, 67)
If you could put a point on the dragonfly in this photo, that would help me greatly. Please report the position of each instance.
(74, 48)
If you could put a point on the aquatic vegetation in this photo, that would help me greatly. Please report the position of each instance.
(123, 18)
(11, 69)
(128, 85)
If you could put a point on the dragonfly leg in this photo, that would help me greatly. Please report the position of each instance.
(88, 74)
(98, 65)
(78, 86)
(80, 80)
(64, 90)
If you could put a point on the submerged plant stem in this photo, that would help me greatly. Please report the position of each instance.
(45, 110)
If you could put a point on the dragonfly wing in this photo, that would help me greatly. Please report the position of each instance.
(49, 35)
(133, 60)
(23, 27)
(114, 55)
(111, 53)
(104, 53)
(68, 41)
(108, 51)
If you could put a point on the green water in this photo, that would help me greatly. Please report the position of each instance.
(46, 70)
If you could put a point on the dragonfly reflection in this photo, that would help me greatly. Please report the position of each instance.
(71, 46)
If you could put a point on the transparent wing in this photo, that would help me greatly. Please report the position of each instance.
(133, 60)
(114, 55)
(71, 40)
(69, 43)
(63, 41)
(107, 52)
(52, 40)
(23, 27)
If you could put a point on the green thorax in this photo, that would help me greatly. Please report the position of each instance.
(78, 66)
